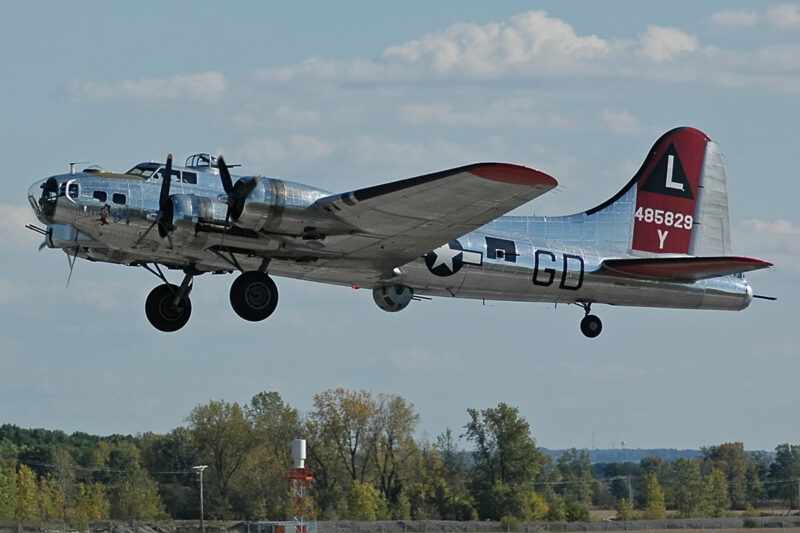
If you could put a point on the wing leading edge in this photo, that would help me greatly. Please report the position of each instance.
(397, 222)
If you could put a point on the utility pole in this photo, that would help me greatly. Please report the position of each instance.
(199, 469)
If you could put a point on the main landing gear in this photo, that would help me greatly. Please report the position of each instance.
(591, 326)
(168, 306)
(254, 297)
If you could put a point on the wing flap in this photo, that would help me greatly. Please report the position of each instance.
(681, 269)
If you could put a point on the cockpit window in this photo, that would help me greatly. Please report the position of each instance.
(190, 177)
(176, 174)
(143, 169)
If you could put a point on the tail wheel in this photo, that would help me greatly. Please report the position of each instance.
(591, 326)
(162, 312)
(254, 296)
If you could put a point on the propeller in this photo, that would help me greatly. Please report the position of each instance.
(164, 216)
(236, 193)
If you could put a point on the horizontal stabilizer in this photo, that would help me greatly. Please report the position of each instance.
(681, 269)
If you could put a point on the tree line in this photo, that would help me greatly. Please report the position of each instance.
(368, 464)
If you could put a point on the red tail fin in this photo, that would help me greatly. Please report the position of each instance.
(668, 186)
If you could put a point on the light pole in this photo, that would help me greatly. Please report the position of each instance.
(199, 469)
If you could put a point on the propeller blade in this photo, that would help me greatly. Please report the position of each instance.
(166, 182)
(225, 175)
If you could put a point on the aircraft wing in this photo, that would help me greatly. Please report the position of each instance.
(397, 222)
(680, 269)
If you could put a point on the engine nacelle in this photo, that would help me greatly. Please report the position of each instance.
(259, 199)
(392, 298)
(189, 209)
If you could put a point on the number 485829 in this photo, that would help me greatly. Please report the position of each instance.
(661, 217)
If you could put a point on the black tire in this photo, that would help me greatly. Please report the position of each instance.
(254, 296)
(591, 326)
(160, 311)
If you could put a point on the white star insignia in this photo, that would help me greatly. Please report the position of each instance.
(444, 256)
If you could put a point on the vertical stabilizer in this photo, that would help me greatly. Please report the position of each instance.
(712, 234)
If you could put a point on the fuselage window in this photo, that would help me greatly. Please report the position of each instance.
(74, 190)
(100, 196)
(118, 198)
(190, 177)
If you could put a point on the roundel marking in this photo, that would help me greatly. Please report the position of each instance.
(445, 260)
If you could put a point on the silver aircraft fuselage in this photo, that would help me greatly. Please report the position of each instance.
(534, 259)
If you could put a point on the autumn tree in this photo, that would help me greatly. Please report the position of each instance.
(223, 436)
(91, 504)
(732, 460)
(655, 508)
(366, 503)
(8, 491)
(52, 501)
(27, 496)
(395, 423)
(346, 420)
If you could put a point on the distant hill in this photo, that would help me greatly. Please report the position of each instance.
(630, 455)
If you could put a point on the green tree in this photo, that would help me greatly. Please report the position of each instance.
(575, 468)
(52, 501)
(345, 419)
(395, 423)
(8, 491)
(715, 492)
(223, 436)
(259, 489)
(91, 504)
(27, 497)
(364, 502)
(136, 497)
(505, 452)
(731, 458)
(655, 508)
(624, 510)
(784, 468)
(688, 487)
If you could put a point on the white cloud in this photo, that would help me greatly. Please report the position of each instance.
(661, 43)
(534, 46)
(525, 40)
(12, 230)
(784, 16)
(777, 241)
(501, 113)
(620, 121)
(283, 116)
(264, 152)
(202, 86)
(735, 18)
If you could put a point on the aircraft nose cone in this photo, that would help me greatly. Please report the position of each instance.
(43, 196)
(34, 192)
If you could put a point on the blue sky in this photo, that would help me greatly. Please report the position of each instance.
(343, 95)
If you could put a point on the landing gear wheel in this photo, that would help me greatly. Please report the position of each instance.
(162, 312)
(254, 296)
(591, 326)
